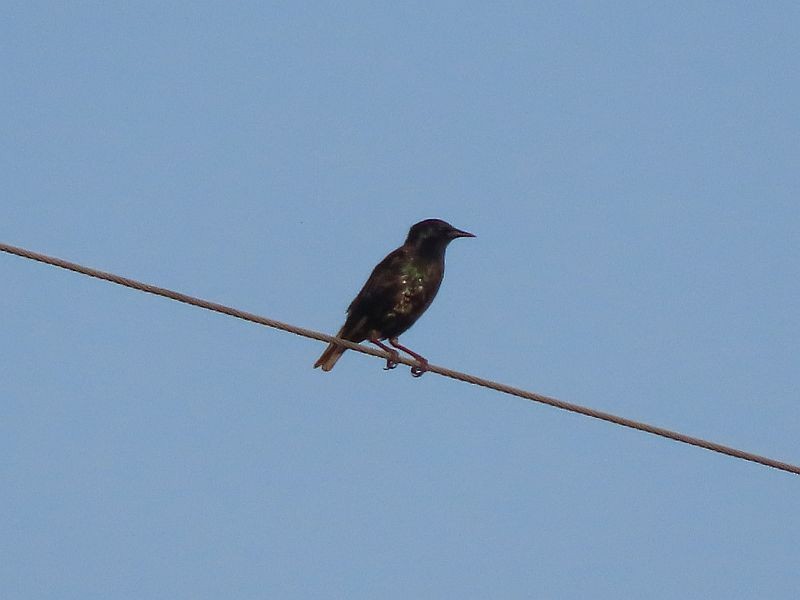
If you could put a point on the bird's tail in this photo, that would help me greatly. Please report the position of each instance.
(331, 355)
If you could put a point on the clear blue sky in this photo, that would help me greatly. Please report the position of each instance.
(632, 172)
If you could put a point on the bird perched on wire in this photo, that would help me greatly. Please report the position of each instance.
(396, 294)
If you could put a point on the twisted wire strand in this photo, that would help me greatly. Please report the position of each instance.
(465, 377)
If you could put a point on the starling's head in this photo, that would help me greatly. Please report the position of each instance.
(433, 235)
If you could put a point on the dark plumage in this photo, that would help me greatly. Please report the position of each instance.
(397, 292)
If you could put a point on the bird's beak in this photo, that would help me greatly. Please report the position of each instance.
(457, 233)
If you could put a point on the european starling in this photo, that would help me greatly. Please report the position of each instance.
(396, 294)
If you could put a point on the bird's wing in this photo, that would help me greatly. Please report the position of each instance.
(379, 292)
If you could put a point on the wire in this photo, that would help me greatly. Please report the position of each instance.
(465, 377)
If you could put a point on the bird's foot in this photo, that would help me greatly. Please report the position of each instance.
(394, 357)
(422, 363)
(392, 361)
(420, 368)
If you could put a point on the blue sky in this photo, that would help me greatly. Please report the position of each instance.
(631, 172)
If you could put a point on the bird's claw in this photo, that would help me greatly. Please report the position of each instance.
(392, 362)
(419, 370)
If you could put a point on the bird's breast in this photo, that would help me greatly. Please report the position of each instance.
(412, 293)
(418, 285)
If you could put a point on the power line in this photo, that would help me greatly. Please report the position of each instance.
(500, 387)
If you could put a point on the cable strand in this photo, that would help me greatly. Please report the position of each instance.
(445, 372)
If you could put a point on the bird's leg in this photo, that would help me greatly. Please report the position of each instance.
(423, 362)
(392, 361)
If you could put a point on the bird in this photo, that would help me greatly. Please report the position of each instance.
(400, 288)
